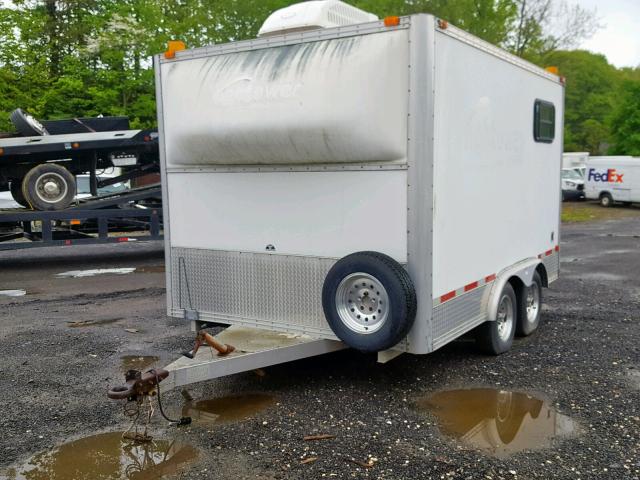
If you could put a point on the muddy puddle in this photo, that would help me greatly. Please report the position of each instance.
(497, 421)
(234, 408)
(137, 362)
(93, 323)
(106, 456)
(13, 293)
(95, 271)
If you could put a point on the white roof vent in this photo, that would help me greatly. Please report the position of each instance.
(313, 15)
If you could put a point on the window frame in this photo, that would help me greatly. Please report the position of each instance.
(538, 121)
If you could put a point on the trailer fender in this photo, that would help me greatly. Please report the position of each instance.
(523, 270)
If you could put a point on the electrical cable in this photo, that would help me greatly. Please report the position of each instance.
(183, 420)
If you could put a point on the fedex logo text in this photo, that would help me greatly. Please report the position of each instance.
(609, 175)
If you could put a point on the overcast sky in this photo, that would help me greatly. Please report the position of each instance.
(619, 37)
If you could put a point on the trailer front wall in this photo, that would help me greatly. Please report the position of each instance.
(279, 161)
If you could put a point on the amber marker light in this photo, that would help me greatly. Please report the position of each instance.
(391, 21)
(174, 46)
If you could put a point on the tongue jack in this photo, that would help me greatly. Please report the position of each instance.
(204, 337)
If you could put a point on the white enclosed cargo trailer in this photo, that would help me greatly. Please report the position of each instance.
(612, 179)
(391, 184)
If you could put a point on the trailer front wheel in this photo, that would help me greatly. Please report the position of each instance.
(369, 301)
(496, 337)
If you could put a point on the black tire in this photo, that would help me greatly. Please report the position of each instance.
(16, 193)
(529, 307)
(26, 124)
(383, 299)
(488, 337)
(36, 181)
(606, 200)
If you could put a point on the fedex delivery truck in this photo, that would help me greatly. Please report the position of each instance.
(612, 179)
(388, 185)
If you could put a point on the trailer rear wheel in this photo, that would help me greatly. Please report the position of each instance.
(606, 200)
(529, 307)
(369, 301)
(16, 193)
(496, 337)
(49, 187)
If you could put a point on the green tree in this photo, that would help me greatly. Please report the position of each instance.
(625, 121)
(590, 96)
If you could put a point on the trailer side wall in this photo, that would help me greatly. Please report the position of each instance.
(496, 190)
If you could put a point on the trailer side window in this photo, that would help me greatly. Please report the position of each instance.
(544, 121)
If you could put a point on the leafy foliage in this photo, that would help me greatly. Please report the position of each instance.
(66, 58)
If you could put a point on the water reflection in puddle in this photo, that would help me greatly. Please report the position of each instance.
(229, 409)
(498, 421)
(95, 271)
(107, 456)
(137, 362)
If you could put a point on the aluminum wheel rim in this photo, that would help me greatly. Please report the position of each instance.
(51, 187)
(362, 303)
(533, 303)
(505, 317)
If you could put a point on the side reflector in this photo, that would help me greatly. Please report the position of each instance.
(174, 46)
(391, 21)
(553, 70)
(75, 222)
(447, 296)
(75, 145)
(1, 151)
(470, 286)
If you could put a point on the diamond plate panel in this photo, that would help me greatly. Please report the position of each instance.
(552, 264)
(272, 291)
(455, 317)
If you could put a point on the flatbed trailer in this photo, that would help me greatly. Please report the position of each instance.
(131, 216)
(39, 170)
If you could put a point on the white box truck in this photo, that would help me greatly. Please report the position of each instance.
(391, 184)
(612, 179)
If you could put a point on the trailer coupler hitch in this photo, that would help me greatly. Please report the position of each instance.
(138, 390)
(204, 337)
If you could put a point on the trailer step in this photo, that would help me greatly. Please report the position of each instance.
(255, 348)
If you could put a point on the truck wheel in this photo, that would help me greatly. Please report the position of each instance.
(16, 193)
(49, 187)
(496, 337)
(26, 124)
(529, 307)
(606, 200)
(369, 301)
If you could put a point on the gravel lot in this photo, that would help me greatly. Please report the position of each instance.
(585, 361)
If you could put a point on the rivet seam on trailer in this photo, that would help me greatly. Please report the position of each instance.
(478, 283)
